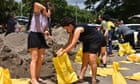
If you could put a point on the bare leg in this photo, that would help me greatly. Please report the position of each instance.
(92, 61)
(104, 55)
(39, 62)
(34, 57)
(84, 65)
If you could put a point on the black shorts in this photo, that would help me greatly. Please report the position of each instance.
(104, 43)
(94, 45)
(36, 40)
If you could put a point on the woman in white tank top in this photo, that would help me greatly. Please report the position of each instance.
(36, 40)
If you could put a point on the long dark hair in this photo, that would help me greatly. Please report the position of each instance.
(31, 12)
(66, 21)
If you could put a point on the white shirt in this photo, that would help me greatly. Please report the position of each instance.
(43, 23)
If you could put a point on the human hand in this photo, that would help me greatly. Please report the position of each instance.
(47, 33)
(61, 53)
(60, 50)
(50, 38)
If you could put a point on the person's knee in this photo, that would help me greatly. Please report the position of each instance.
(84, 67)
(103, 53)
(41, 57)
(92, 61)
(34, 59)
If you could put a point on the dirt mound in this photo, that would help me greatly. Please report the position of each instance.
(14, 55)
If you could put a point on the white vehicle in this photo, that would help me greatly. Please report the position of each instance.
(23, 20)
(135, 27)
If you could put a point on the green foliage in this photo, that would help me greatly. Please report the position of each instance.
(121, 9)
(61, 9)
(7, 7)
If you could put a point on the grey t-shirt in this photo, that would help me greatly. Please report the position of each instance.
(125, 30)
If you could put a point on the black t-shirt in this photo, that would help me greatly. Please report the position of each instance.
(90, 33)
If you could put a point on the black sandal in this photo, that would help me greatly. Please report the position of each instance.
(79, 81)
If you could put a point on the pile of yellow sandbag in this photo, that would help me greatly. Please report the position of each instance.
(125, 48)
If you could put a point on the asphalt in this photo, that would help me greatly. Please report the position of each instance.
(133, 68)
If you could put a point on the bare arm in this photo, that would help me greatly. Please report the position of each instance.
(69, 40)
(106, 29)
(74, 40)
(39, 7)
(106, 32)
(49, 13)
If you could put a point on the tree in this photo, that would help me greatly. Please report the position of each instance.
(7, 7)
(121, 9)
(61, 9)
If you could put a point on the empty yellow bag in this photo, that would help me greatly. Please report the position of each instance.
(5, 76)
(117, 77)
(131, 57)
(134, 57)
(135, 76)
(64, 70)
(21, 81)
(125, 48)
(104, 71)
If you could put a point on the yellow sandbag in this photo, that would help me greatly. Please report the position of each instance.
(134, 57)
(121, 51)
(5, 76)
(64, 70)
(137, 59)
(135, 76)
(126, 62)
(129, 49)
(21, 81)
(108, 71)
(117, 77)
(104, 71)
(125, 48)
(78, 59)
(131, 57)
(78, 56)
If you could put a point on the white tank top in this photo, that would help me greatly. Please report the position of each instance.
(43, 23)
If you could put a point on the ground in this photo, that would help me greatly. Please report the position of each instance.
(108, 79)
